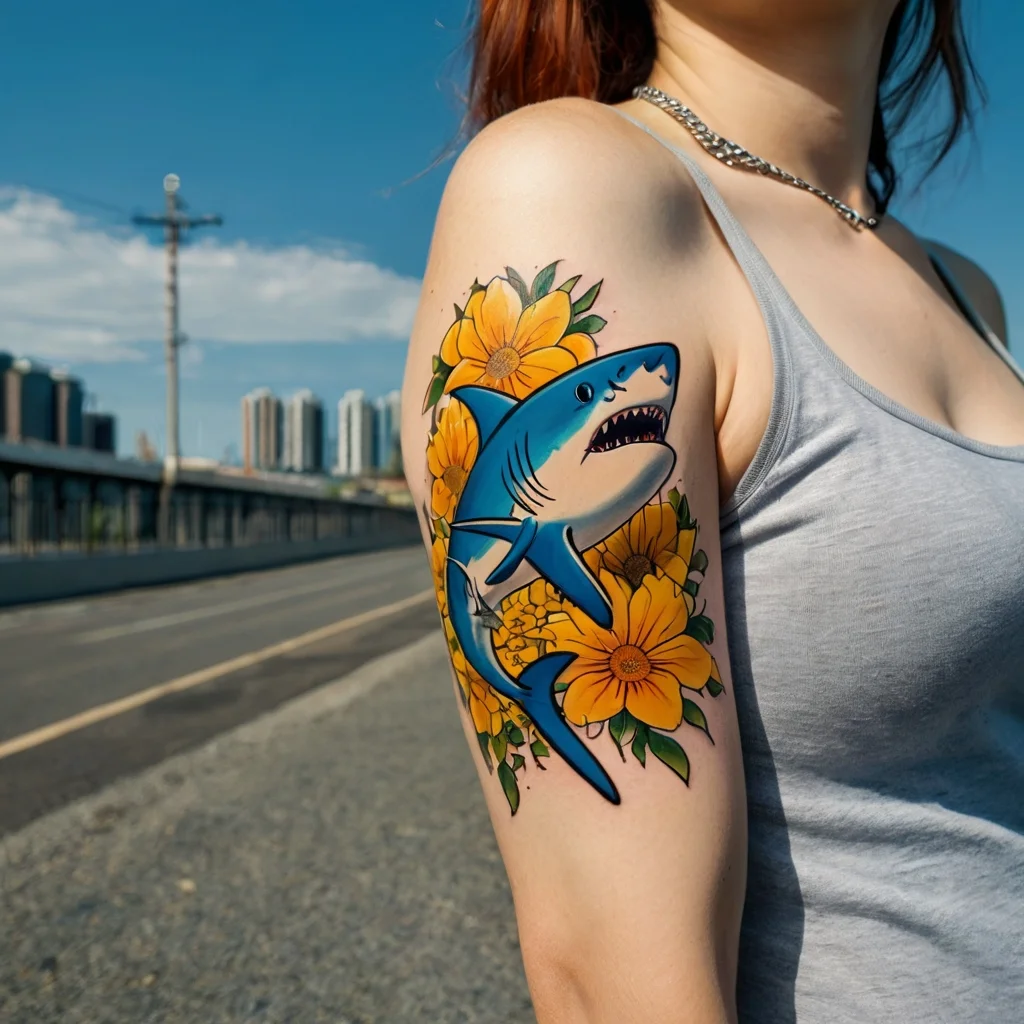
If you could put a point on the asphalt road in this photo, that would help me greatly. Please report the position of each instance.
(59, 661)
(330, 861)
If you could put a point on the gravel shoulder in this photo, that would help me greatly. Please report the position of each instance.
(331, 861)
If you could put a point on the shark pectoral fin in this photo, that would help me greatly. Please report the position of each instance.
(488, 407)
(511, 561)
(555, 556)
(538, 701)
(502, 529)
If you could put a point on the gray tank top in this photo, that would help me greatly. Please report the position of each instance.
(874, 586)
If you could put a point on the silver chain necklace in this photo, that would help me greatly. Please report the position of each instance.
(736, 156)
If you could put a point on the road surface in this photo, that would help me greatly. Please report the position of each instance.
(63, 662)
(330, 861)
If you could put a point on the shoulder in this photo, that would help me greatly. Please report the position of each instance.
(977, 285)
(569, 159)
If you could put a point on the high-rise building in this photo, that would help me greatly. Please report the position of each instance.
(6, 359)
(304, 433)
(387, 412)
(355, 434)
(262, 430)
(99, 431)
(29, 402)
(67, 409)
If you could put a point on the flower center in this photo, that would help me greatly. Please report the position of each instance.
(636, 567)
(629, 663)
(454, 478)
(503, 362)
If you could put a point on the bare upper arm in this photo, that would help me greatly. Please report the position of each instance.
(979, 288)
(582, 601)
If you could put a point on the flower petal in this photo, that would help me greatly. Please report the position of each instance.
(656, 700)
(543, 323)
(450, 344)
(580, 345)
(664, 614)
(686, 658)
(593, 697)
(538, 367)
(497, 314)
(467, 371)
(442, 501)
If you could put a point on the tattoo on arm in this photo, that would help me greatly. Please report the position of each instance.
(568, 585)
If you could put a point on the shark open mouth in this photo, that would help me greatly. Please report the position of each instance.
(631, 426)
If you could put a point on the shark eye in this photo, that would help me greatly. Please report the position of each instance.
(584, 392)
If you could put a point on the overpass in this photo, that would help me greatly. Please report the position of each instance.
(74, 521)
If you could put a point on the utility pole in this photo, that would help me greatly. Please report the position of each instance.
(173, 220)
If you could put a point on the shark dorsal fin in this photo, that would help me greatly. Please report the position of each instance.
(488, 407)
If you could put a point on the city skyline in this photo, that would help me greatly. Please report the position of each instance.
(313, 279)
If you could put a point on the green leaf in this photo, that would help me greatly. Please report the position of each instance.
(436, 389)
(691, 587)
(507, 778)
(673, 499)
(715, 688)
(436, 364)
(588, 324)
(476, 286)
(517, 762)
(683, 515)
(693, 714)
(666, 750)
(543, 281)
(587, 299)
(499, 744)
(519, 284)
(561, 687)
(699, 562)
(443, 528)
(540, 749)
(515, 734)
(453, 644)
(701, 628)
(482, 738)
(640, 741)
(567, 286)
(617, 726)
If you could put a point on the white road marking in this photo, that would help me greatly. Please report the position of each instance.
(136, 700)
(96, 636)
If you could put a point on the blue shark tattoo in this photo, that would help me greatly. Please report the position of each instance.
(555, 474)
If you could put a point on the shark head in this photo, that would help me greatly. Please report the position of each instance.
(604, 432)
(590, 444)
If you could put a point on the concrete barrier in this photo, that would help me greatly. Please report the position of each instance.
(48, 577)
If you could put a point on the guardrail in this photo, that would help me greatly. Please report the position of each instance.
(74, 521)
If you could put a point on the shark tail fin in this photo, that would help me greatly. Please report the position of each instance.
(538, 701)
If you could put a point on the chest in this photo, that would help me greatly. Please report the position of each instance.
(876, 604)
(879, 306)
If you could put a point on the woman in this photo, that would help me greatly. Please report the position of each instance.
(723, 484)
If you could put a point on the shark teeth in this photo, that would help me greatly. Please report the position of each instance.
(641, 423)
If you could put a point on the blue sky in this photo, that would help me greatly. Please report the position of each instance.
(305, 124)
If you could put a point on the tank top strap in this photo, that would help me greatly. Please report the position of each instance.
(969, 311)
(768, 290)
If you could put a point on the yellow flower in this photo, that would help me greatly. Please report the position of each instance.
(651, 540)
(499, 344)
(525, 631)
(450, 456)
(438, 565)
(639, 663)
(485, 707)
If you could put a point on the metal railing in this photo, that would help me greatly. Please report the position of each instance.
(57, 505)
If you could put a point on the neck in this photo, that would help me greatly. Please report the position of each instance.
(799, 95)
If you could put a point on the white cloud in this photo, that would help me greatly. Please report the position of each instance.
(72, 291)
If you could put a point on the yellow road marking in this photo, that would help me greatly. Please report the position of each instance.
(136, 700)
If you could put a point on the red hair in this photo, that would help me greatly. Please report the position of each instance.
(527, 51)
